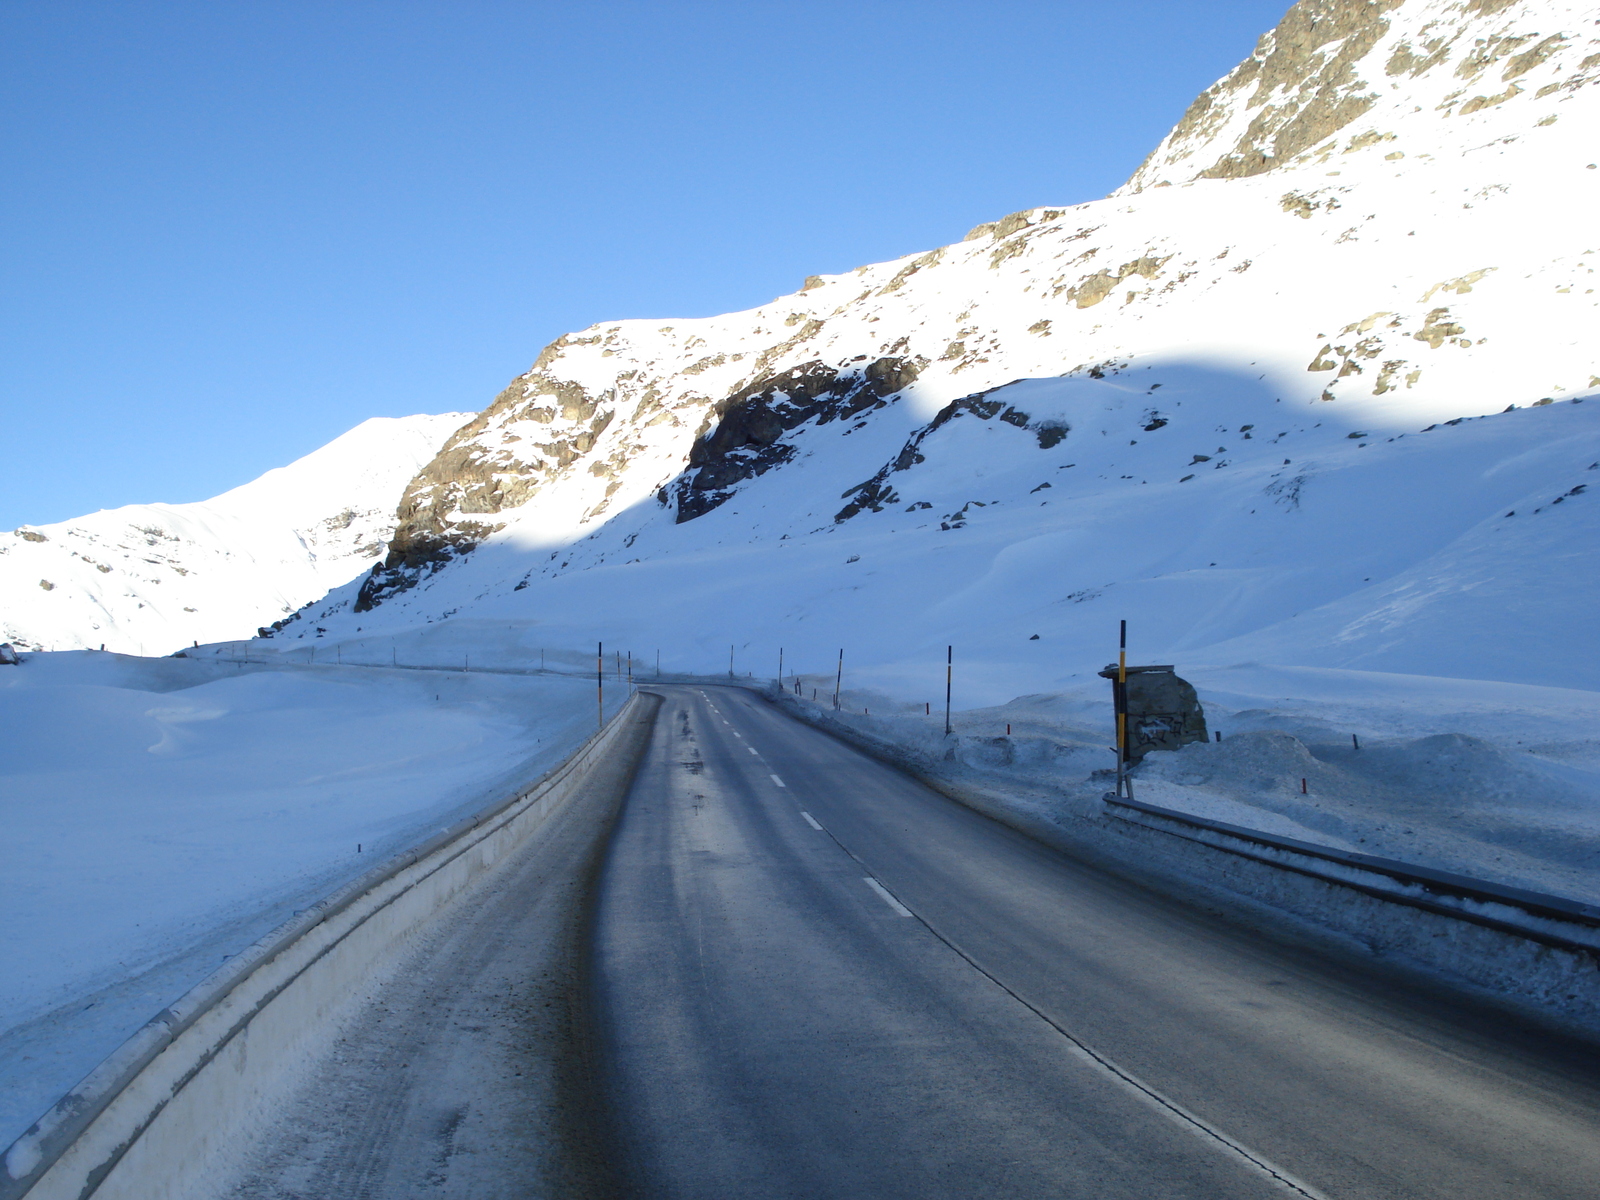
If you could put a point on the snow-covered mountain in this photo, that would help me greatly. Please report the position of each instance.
(149, 578)
(1224, 403)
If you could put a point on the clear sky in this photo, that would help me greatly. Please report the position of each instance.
(235, 229)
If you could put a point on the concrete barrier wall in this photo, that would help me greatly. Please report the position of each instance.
(157, 1119)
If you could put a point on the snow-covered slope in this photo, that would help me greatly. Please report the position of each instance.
(162, 814)
(149, 578)
(1212, 392)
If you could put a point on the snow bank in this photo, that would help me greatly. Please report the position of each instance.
(1438, 851)
(1497, 781)
(163, 814)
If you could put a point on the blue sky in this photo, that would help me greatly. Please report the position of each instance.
(234, 230)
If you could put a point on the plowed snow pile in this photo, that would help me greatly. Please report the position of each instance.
(1511, 795)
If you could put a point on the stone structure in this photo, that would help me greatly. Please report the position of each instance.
(1163, 710)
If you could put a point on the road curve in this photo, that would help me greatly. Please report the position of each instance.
(815, 977)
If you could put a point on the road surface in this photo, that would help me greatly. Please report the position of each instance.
(817, 978)
(468, 1075)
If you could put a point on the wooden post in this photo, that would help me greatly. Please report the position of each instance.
(780, 667)
(838, 680)
(730, 662)
(600, 684)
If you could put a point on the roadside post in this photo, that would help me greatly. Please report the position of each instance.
(949, 668)
(1120, 703)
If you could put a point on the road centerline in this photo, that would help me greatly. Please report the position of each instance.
(1106, 973)
(887, 898)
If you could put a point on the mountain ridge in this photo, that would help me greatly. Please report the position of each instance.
(154, 577)
(731, 389)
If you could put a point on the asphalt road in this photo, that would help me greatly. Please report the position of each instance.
(467, 1075)
(817, 978)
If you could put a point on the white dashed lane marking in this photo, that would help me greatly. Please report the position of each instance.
(887, 898)
(778, 781)
(810, 820)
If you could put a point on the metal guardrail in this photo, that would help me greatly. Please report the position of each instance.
(1554, 921)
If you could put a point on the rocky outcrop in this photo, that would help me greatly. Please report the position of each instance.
(747, 438)
(1299, 86)
(875, 493)
(1332, 66)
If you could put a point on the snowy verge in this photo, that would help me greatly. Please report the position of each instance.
(1534, 952)
(163, 814)
(155, 1115)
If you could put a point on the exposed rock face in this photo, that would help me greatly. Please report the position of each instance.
(747, 438)
(1331, 63)
(877, 492)
(474, 477)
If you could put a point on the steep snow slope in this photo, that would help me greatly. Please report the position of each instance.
(1379, 223)
(149, 578)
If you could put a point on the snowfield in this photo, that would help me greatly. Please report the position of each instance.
(150, 578)
(162, 814)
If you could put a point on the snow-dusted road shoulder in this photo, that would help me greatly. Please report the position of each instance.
(162, 814)
(468, 1073)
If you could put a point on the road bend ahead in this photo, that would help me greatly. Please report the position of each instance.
(817, 978)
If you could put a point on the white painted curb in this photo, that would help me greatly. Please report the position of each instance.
(154, 1120)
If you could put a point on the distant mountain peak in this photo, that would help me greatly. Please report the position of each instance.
(1338, 76)
(150, 578)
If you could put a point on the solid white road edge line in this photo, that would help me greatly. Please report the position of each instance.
(884, 892)
(810, 820)
(1091, 1057)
